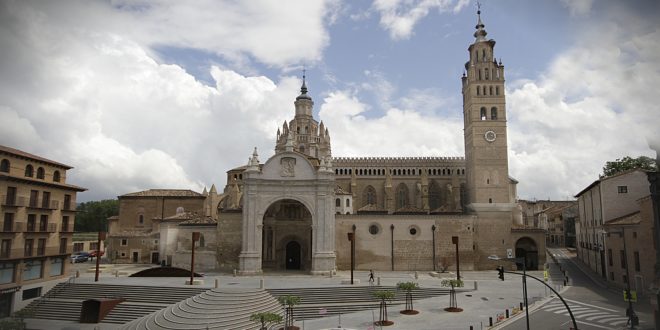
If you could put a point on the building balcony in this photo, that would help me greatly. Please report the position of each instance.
(8, 254)
(48, 228)
(66, 228)
(13, 201)
(12, 227)
(50, 206)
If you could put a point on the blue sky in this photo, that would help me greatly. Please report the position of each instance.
(165, 94)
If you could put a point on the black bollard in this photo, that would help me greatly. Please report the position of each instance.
(490, 321)
(521, 307)
(471, 328)
(507, 313)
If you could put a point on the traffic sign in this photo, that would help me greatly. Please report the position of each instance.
(633, 295)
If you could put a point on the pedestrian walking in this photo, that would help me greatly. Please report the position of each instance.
(371, 277)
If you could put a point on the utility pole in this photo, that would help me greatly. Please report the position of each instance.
(101, 237)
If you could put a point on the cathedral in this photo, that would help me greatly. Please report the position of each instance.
(297, 209)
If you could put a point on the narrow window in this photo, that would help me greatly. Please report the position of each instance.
(29, 171)
(623, 259)
(483, 113)
(56, 176)
(637, 265)
(493, 113)
(337, 202)
(478, 90)
(490, 90)
(490, 200)
(41, 173)
(486, 73)
(141, 219)
(348, 202)
(479, 71)
(609, 257)
(483, 55)
(4, 166)
(497, 90)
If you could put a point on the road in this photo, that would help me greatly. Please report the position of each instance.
(593, 306)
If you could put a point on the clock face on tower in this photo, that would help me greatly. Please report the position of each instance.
(490, 136)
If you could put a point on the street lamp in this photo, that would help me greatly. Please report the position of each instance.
(351, 238)
(454, 240)
(98, 254)
(632, 317)
(195, 238)
(433, 249)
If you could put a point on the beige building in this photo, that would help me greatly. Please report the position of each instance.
(606, 199)
(294, 210)
(556, 217)
(632, 259)
(38, 209)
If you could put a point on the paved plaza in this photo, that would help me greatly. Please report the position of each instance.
(492, 296)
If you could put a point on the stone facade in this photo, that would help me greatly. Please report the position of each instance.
(294, 211)
(38, 208)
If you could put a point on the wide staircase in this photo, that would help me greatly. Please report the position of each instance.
(64, 302)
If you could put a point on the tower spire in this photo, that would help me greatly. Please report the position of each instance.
(481, 33)
(303, 89)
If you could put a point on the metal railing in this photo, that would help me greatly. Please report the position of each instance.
(30, 309)
(12, 227)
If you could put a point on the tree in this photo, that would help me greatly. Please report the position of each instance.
(384, 296)
(453, 304)
(92, 215)
(266, 318)
(408, 287)
(444, 263)
(629, 163)
(288, 302)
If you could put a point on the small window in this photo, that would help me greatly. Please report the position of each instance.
(478, 90)
(141, 219)
(31, 293)
(637, 263)
(623, 259)
(4, 166)
(634, 234)
(337, 202)
(41, 174)
(483, 114)
(348, 202)
(124, 242)
(622, 189)
(56, 176)
(29, 171)
(493, 113)
(609, 257)
(497, 90)
(374, 229)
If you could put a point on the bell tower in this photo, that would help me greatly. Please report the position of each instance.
(484, 117)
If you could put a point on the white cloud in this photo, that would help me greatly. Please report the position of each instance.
(593, 104)
(398, 132)
(578, 7)
(100, 102)
(399, 17)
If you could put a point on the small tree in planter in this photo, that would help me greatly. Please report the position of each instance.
(289, 302)
(444, 263)
(408, 287)
(453, 304)
(266, 318)
(384, 296)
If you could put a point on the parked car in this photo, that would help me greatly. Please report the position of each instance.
(94, 253)
(79, 257)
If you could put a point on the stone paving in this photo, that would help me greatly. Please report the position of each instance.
(491, 298)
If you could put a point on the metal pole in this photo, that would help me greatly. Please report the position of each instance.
(454, 239)
(525, 291)
(392, 230)
(631, 312)
(654, 180)
(195, 237)
(433, 249)
(98, 254)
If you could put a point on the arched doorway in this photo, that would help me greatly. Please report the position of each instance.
(287, 236)
(293, 255)
(527, 251)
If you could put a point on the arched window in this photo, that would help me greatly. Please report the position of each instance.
(494, 74)
(478, 90)
(401, 196)
(348, 202)
(479, 71)
(493, 113)
(497, 90)
(434, 196)
(56, 176)
(141, 219)
(41, 173)
(337, 202)
(369, 196)
(4, 166)
(29, 170)
(486, 73)
(483, 114)
(490, 90)
(483, 55)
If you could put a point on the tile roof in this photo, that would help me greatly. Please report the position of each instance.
(629, 219)
(164, 193)
(28, 155)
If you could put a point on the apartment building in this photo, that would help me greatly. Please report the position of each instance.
(38, 209)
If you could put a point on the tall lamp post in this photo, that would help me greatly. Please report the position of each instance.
(454, 240)
(195, 238)
(433, 249)
(98, 254)
(351, 238)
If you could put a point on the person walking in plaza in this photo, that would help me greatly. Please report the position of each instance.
(371, 277)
